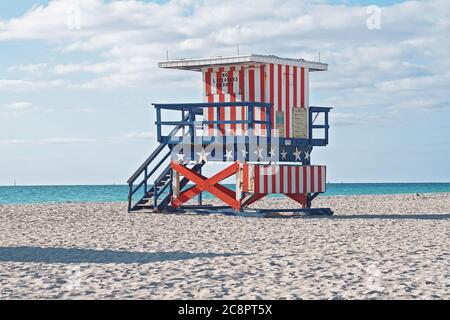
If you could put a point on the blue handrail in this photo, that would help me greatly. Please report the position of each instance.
(194, 109)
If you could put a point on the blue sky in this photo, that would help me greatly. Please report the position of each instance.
(74, 103)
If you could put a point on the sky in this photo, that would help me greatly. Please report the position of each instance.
(75, 94)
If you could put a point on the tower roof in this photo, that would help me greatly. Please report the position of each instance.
(196, 64)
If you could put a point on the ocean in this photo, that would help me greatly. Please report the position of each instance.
(117, 193)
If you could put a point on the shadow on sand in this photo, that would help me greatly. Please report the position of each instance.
(74, 255)
(383, 216)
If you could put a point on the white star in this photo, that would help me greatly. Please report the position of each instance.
(244, 153)
(229, 155)
(297, 154)
(181, 157)
(203, 156)
(306, 155)
(283, 154)
(272, 151)
(258, 153)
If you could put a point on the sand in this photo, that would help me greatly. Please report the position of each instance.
(375, 247)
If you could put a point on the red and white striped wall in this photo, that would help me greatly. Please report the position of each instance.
(268, 179)
(284, 86)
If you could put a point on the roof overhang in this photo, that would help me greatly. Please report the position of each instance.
(196, 64)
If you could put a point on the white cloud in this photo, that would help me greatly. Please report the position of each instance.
(20, 105)
(36, 68)
(29, 85)
(367, 68)
(16, 109)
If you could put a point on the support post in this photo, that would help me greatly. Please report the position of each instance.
(176, 183)
(251, 117)
(158, 121)
(200, 195)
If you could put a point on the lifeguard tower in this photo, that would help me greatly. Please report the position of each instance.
(255, 117)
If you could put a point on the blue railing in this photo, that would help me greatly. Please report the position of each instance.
(314, 112)
(189, 111)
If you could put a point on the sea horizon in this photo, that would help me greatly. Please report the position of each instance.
(35, 194)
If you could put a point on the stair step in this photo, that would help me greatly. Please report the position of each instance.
(144, 205)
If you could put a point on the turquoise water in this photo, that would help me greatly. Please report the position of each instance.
(53, 194)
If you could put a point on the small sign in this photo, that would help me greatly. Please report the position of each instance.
(224, 80)
(300, 122)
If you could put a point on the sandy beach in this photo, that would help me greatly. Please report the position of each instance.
(375, 247)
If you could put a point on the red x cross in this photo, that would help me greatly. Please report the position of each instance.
(207, 184)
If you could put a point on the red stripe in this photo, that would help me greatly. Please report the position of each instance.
(257, 186)
(222, 113)
(262, 77)
(319, 178)
(233, 114)
(274, 180)
(210, 98)
(266, 179)
(211, 115)
(281, 168)
(305, 181)
(311, 168)
(289, 177)
(242, 92)
(251, 94)
(294, 87)
(271, 67)
(280, 95)
(302, 88)
(232, 99)
(297, 179)
(288, 111)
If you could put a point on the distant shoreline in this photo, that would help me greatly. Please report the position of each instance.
(277, 197)
(126, 185)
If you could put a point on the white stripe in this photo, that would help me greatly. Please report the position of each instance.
(257, 84)
(300, 179)
(293, 190)
(306, 87)
(238, 116)
(308, 179)
(267, 83)
(235, 83)
(275, 88)
(257, 97)
(299, 83)
(213, 82)
(276, 171)
(227, 114)
(316, 179)
(285, 182)
(262, 187)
